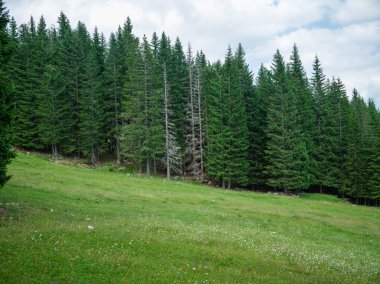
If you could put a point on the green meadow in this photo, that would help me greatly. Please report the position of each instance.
(61, 223)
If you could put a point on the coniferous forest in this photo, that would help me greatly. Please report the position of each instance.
(162, 107)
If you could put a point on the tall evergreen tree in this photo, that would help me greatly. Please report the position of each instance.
(28, 83)
(318, 84)
(113, 92)
(172, 158)
(245, 80)
(6, 108)
(179, 89)
(286, 152)
(258, 125)
(299, 87)
(153, 145)
(90, 105)
(69, 60)
(50, 105)
(235, 131)
(195, 117)
(355, 179)
(373, 152)
(214, 148)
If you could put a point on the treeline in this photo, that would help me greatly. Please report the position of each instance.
(152, 104)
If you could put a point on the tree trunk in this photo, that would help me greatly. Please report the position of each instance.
(229, 184)
(116, 118)
(54, 151)
(117, 151)
(154, 166)
(147, 167)
(166, 124)
(320, 189)
(200, 124)
(93, 157)
(223, 184)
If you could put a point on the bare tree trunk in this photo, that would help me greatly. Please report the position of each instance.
(54, 151)
(147, 167)
(229, 184)
(166, 124)
(200, 125)
(223, 184)
(116, 117)
(192, 116)
(93, 156)
(154, 166)
(146, 113)
(320, 189)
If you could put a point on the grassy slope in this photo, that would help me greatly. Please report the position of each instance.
(153, 231)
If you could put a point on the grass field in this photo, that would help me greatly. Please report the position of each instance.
(148, 230)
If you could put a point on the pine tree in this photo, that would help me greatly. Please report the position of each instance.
(213, 92)
(50, 106)
(133, 108)
(258, 125)
(234, 135)
(6, 108)
(178, 90)
(299, 87)
(90, 105)
(112, 102)
(195, 117)
(318, 85)
(28, 82)
(153, 144)
(355, 165)
(172, 159)
(69, 62)
(373, 152)
(246, 85)
(286, 152)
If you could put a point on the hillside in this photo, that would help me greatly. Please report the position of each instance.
(66, 224)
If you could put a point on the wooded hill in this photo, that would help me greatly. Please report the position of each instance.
(160, 106)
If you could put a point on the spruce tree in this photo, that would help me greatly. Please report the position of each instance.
(214, 148)
(113, 93)
(373, 152)
(172, 158)
(90, 104)
(286, 152)
(153, 145)
(195, 118)
(299, 87)
(235, 131)
(50, 105)
(245, 80)
(69, 62)
(258, 125)
(6, 108)
(318, 84)
(28, 82)
(179, 89)
(355, 162)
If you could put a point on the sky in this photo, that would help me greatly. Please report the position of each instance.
(345, 34)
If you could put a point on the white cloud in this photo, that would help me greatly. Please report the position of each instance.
(344, 33)
(353, 11)
(351, 53)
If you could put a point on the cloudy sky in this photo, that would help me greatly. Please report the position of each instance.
(344, 33)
